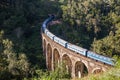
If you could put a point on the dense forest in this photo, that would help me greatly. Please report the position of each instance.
(92, 24)
(20, 39)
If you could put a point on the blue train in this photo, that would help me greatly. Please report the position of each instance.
(79, 50)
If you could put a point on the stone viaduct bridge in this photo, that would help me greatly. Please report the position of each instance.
(76, 64)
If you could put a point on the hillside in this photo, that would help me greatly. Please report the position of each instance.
(91, 24)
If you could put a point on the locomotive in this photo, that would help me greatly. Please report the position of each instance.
(72, 47)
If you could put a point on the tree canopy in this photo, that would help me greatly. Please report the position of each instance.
(94, 23)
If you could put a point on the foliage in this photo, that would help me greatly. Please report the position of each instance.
(96, 22)
(58, 74)
(11, 62)
(110, 45)
(21, 21)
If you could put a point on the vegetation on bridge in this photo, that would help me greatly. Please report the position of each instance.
(92, 24)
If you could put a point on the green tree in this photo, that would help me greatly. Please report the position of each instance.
(10, 63)
(110, 45)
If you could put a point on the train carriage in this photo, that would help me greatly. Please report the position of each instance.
(101, 58)
(77, 49)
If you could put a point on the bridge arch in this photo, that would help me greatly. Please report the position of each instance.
(97, 70)
(67, 63)
(56, 58)
(80, 69)
(49, 57)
